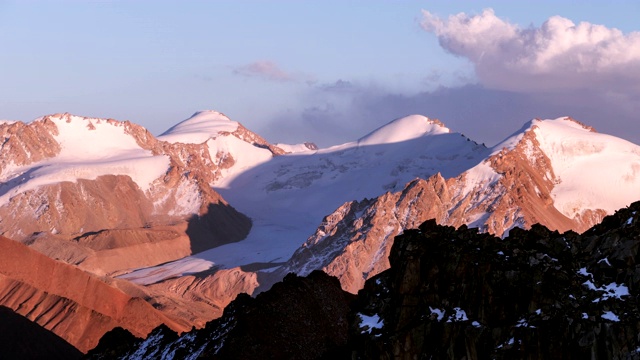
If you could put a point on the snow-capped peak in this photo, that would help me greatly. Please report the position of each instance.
(590, 170)
(403, 129)
(199, 128)
(593, 170)
(565, 122)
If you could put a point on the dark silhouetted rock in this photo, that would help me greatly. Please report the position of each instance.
(23, 339)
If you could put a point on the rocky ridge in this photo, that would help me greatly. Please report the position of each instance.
(536, 294)
(449, 293)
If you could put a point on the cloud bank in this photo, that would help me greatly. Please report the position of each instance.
(558, 55)
(586, 71)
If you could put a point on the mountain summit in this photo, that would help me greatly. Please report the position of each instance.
(404, 129)
(199, 128)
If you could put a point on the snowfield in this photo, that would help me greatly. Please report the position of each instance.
(287, 196)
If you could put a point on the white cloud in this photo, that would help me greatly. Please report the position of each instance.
(265, 69)
(559, 55)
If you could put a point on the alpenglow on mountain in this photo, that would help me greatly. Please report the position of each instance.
(180, 224)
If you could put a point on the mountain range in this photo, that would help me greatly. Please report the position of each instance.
(176, 226)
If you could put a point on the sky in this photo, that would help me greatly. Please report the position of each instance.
(325, 71)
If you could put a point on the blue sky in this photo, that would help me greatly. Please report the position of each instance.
(323, 71)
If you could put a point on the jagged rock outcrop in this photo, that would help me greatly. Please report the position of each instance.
(449, 294)
(24, 144)
(300, 318)
(536, 294)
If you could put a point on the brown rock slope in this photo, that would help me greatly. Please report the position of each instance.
(75, 305)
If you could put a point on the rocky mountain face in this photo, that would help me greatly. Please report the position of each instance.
(297, 319)
(129, 201)
(449, 294)
(517, 185)
(106, 196)
(537, 294)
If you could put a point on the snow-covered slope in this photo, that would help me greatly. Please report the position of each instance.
(199, 128)
(287, 196)
(298, 148)
(403, 129)
(533, 176)
(232, 148)
(592, 171)
(89, 148)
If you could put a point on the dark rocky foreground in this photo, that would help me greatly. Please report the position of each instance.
(21, 338)
(449, 294)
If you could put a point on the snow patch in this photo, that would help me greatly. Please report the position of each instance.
(154, 274)
(245, 156)
(611, 290)
(583, 271)
(609, 315)
(368, 323)
(459, 315)
(438, 312)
